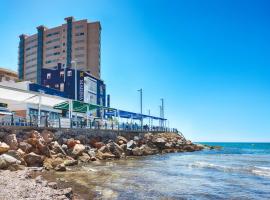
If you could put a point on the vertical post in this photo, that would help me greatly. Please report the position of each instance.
(162, 112)
(87, 117)
(70, 112)
(140, 90)
(75, 95)
(39, 110)
(149, 113)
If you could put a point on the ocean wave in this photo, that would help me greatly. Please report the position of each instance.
(261, 171)
(211, 166)
(255, 170)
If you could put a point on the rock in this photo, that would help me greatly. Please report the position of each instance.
(115, 149)
(124, 146)
(160, 142)
(137, 151)
(136, 138)
(55, 146)
(51, 163)
(60, 167)
(52, 185)
(7, 160)
(11, 140)
(47, 136)
(131, 144)
(64, 147)
(71, 143)
(78, 149)
(25, 147)
(4, 147)
(84, 157)
(70, 162)
(67, 192)
(146, 150)
(103, 156)
(33, 160)
(104, 149)
(168, 145)
(121, 140)
(189, 148)
(17, 154)
(98, 145)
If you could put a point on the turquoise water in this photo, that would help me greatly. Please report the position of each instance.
(238, 171)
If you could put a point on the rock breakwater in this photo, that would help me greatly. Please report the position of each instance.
(56, 150)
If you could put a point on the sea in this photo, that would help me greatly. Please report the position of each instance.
(236, 171)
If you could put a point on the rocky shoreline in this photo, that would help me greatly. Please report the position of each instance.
(51, 151)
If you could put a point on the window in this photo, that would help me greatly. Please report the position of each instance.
(49, 75)
(54, 40)
(62, 87)
(79, 41)
(56, 85)
(62, 74)
(51, 34)
(64, 44)
(78, 34)
(69, 73)
(79, 56)
(79, 26)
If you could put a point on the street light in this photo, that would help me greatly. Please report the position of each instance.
(75, 95)
(162, 112)
(140, 90)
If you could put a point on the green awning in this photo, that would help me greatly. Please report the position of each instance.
(78, 106)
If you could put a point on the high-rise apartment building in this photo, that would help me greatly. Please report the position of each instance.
(73, 41)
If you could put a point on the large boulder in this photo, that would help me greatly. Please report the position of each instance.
(61, 167)
(84, 157)
(137, 151)
(25, 147)
(47, 136)
(115, 149)
(11, 140)
(78, 149)
(33, 160)
(7, 160)
(18, 154)
(56, 148)
(121, 140)
(98, 145)
(4, 147)
(104, 156)
(131, 144)
(71, 143)
(146, 150)
(160, 142)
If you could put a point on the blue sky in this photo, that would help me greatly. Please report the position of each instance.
(208, 59)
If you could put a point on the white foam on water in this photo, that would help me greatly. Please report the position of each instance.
(211, 166)
(261, 171)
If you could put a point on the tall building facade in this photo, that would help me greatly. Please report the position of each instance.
(73, 41)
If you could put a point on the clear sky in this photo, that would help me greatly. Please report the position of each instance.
(210, 60)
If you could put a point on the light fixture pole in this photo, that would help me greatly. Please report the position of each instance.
(162, 112)
(140, 90)
(75, 95)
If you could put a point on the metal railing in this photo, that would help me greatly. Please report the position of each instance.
(91, 124)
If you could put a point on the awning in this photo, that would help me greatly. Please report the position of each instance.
(19, 95)
(131, 115)
(77, 106)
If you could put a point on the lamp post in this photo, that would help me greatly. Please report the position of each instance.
(162, 112)
(75, 95)
(140, 90)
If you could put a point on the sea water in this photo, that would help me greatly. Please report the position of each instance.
(237, 171)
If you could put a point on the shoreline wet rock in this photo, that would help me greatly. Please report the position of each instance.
(56, 151)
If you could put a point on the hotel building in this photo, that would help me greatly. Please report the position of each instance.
(49, 47)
